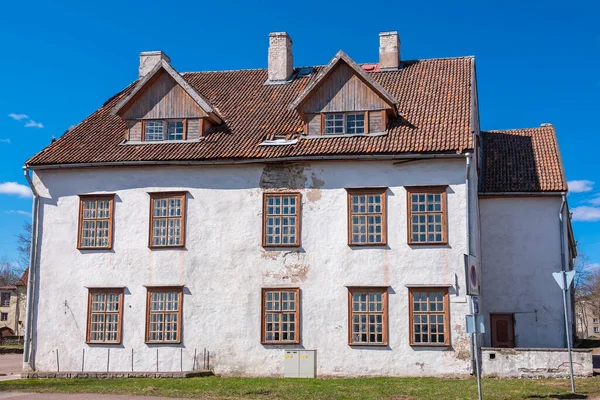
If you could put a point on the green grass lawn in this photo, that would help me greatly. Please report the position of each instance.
(329, 389)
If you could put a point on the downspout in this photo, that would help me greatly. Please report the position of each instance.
(561, 224)
(468, 230)
(28, 339)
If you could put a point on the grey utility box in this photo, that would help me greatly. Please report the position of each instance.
(300, 364)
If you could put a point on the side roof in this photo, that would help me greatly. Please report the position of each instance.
(521, 160)
(435, 97)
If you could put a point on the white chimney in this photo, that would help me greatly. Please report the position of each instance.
(281, 60)
(148, 59)
(389, 50)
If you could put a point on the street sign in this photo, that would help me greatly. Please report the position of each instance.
(558, 277)
(475, 304)
(472, 273)
(475, 324)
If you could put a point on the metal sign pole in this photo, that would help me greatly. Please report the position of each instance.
(478, 370)
(564, 280)
(567, 330)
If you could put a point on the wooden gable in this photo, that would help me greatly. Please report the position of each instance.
(161, 98)
(342, 91)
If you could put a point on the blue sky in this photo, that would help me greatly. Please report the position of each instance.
(537, 61)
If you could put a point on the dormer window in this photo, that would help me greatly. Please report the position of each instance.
(348, 123)
(158, 130)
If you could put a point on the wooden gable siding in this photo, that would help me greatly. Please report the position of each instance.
(343, 91)
(135, 130)
(376, 121)
(193, 129)
(163, 98)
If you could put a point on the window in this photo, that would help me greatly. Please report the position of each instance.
(366, 217)
(596, 328)
(5, 299)
(95, 221)
(163, 317)
(280, 319)
(167, 223)
(427, 215)
(281, 219)
(429, 317)
(340, 123)
(153, 130)
(105, 314)
(3, 316)
(156, 130)
(596, 320)
(367, 319)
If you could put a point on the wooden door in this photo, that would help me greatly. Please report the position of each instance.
(503, 330)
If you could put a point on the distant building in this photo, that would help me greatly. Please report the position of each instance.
(588, 321)
(12, 308)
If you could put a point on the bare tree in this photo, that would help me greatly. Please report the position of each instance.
(24, 245)
(9, 272)
(587, 292)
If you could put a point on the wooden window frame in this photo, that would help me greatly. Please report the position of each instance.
(163, 289)
(263, 311)
(2, 315)
(95, 197)
(345, 114)
(427, 190)
(369, 289)
(91, 292)
(167, 195)
(428, 289)
(298, 218)
(165, 129)
(360, 191)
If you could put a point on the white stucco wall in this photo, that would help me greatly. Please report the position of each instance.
(223, 267)
(520, 251)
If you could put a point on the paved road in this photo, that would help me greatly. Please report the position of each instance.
(10, 366)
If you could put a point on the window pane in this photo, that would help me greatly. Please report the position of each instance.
(175, 130)
(153, 130)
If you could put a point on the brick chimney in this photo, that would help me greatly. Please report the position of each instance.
(281, 60)
(389, 50)
(148, 59)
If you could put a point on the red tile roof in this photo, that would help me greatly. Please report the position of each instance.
(522, 160)
(434, 98)
(23, 280)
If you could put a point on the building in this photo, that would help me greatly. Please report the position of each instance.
(12, 308)
(588, 320)
(330, 208)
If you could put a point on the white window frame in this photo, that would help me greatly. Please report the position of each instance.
(165, 132)
(4, 316)
(343, 117)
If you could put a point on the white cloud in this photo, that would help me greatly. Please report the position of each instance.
(586, 213)
(7, 141)
(33, 124)
(580, 186)
(18, 117)
(16, 189)
(595, 201)
(592, 266)
(28, 214)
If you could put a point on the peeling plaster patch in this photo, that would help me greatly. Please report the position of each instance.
(283, 176)
(313, 195)
(316, 182)
(461, 345)
(294, 273)
(420, 365)
(270, 255)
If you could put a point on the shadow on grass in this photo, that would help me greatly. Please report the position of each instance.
(559, 396)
